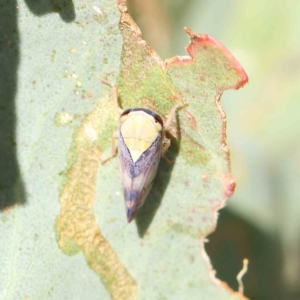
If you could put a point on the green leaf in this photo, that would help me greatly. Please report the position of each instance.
(71, 204)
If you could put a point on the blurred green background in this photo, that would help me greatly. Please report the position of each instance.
(262, 220)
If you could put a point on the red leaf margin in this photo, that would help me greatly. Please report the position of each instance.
(201, 40)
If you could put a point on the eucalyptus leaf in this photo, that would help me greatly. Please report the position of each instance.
(63, 219)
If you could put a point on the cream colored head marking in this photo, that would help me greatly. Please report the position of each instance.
(139, 130)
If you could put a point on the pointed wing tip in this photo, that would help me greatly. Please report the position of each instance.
(130, 215)
(131, 206)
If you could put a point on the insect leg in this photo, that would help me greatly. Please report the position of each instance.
(172, 114)
(167, 143)
(168, 161)
(113, 148)
(118, 109)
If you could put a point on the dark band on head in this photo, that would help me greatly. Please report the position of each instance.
(149, 112)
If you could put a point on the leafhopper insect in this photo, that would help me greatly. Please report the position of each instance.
(141, 142)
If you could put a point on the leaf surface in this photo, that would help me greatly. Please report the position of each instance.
(65, 123)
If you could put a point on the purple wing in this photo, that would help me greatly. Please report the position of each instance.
(138, 177)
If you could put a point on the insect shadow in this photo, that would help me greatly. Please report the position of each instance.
(147, 212)
(12, 190)
(65, 8)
